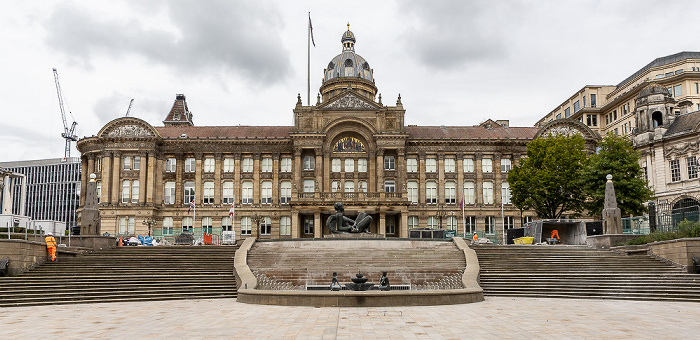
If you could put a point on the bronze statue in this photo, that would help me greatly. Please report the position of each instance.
(335, 285)
(339, 224)
(384, 282)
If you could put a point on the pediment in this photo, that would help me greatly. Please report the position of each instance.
(567, 127)
(349, 100)
(128, 127)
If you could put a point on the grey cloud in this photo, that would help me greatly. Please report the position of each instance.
(212, 37)
(448, 34)
(111, 107)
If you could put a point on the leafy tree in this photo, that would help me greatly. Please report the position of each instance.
(548, 180)
(617, 157)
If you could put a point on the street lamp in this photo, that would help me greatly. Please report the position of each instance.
(256, 220)
(150, 222)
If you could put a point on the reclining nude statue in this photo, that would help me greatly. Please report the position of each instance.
(340, 224)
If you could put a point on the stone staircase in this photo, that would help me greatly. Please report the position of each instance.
(294, 265)
(126, 274)
(581, 272)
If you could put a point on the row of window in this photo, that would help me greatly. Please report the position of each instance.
(691, 167)
(468, 195)
(208, 166)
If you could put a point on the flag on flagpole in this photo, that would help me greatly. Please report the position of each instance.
(461, 203)
(230, 212)
(191, 206)
(311, 31)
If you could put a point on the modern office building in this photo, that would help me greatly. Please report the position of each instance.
(658, 107)
(52, 192)
(349, 147)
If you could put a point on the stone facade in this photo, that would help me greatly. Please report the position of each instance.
(349, 147)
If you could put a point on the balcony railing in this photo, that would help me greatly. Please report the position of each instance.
(355, 196)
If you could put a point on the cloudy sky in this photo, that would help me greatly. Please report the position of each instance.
(243, 62)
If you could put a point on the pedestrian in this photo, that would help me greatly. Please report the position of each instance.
(51, 246)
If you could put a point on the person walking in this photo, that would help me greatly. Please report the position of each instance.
(51, 246)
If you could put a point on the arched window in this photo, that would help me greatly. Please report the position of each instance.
(657, 119)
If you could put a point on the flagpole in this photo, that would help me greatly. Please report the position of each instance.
(308, 63)
(464, 218)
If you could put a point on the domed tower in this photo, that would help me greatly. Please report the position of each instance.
(348, 69)
(654, 108)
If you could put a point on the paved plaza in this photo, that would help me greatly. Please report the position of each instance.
(495, 318)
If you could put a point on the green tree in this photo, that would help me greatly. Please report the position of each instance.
(617, 157)
(547, 181)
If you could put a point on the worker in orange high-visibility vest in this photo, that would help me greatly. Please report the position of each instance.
(51, 246)
(555, 235)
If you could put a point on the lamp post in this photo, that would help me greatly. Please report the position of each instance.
(440, 214)
(256, 220)
(150, 222)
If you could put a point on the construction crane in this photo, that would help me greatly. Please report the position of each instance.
(68, 134)
(129, 109)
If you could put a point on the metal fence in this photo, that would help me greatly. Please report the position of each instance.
(638, 225)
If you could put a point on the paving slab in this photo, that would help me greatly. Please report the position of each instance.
(495, 318)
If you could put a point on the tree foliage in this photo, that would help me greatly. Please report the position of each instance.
(548, 180)
(617, 157)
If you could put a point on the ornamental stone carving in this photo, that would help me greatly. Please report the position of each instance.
(130, 131)
(566, 131)
(349, 102)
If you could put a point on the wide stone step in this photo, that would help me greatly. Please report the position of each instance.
(49, 299)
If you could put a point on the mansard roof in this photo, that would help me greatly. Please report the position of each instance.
(684, 123)
(470, 132)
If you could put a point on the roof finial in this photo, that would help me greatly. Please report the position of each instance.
(348, 25)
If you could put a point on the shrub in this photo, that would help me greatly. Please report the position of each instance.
(685, 229)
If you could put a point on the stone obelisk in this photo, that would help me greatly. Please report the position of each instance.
(612, 218)
(90, 217)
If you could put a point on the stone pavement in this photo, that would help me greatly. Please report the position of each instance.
(495, 318)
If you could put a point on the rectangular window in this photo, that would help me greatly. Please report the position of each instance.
(335, 186)
(468, 165)
(469, 197)
(362, 165)
(450, 192)
(247, 192)
(246, 224)
(169, 195)
(135, 191)
(189, 192)
(451, 223)
(449, 165)
(187, 223)
(208, 192)
(508, 222)
(266, 192)
(136, 165)
(265, 225)
(412, 188)
(593, 102)
(98, 185)
(505, 193)
(470, 226)
(309, 185)
(490, 225)
(286, 164)
(349, 186)
(607, 120)
(209, 165)
(227, 192)
(390, 225)
(558, 115)
(266, 164)
(577, 106)
(488, 192)
(126, 186)
(678, 90)
(126, 163)
(505, 165)
(411, 165)
(285, 192)
(526, 220)
(675, 170)
(430, 165)
(567, 112)
(335, 165)
(309, 163)
(430, 192)
(226, 224)
(486, 165)
(190, 164)
(229, 165)
(98, 161)
(285, 226)
(389, 185)
(692, 167)
(308, 225)
(412, 222)
(433, 222)
(349, 165)
(247, 164)
(167, 225)
(362, 186)
(614, 115)
(170, 165)
(389, 163)
(207, 225)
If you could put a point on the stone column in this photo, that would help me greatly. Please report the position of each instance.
(105, 195)
(318, 170)
(401, 170)
(404, 222)
(237, 178)
(380, 171)
(276, 180)
(297, 185)
(421, 179)
(198, 192)
(382, 223)
(87, 164)
(218, 169)
(479, 182)
(256, 179)
(441, 178)
(116, 185)
(295, 232)
(143, 169)
(318, 228)
(371, 168)
(152, 184)
(179, 184)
